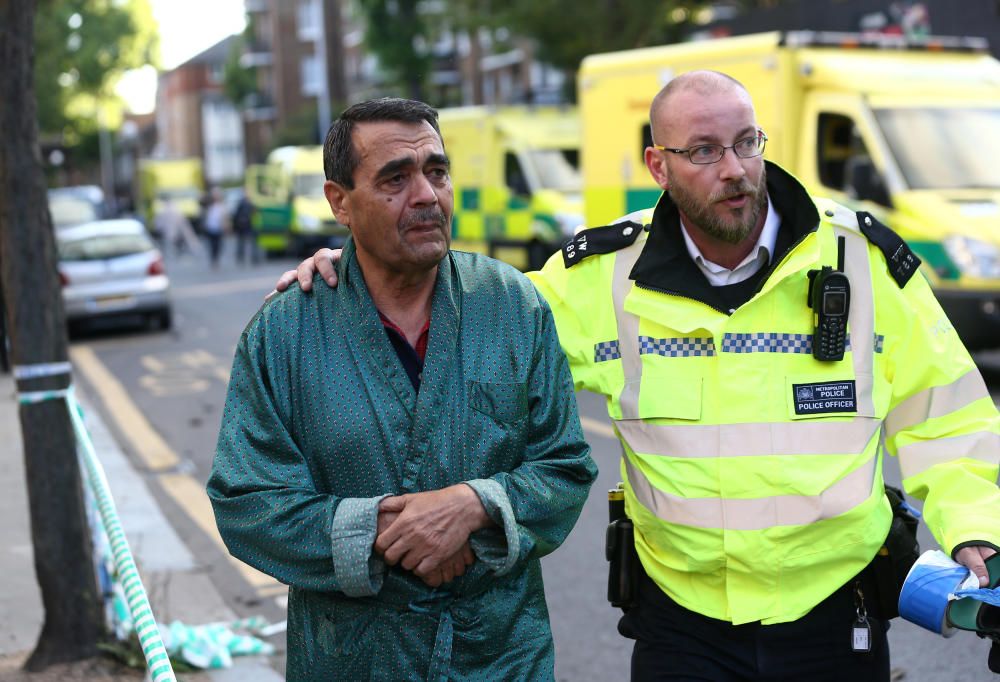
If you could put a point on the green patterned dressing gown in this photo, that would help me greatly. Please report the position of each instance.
(321, 422)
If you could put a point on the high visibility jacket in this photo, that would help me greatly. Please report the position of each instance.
(753, 470)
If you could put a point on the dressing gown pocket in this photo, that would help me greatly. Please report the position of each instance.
(496, 430)
(505, 402)
(335, 638)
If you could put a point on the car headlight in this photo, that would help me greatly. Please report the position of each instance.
(309, 223)
(974, 257)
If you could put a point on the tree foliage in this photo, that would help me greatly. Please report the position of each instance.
(400, 32)
(238, 82)
(82, 47)
(609, 26)
(400, 36)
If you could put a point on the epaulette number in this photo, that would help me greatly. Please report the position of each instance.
(902, 262)
(599, 240)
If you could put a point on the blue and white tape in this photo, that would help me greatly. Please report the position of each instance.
(930, 584)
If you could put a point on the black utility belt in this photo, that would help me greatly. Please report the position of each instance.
(880, 581)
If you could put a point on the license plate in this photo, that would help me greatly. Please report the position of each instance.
(111, 302)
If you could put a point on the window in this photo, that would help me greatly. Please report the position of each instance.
(514, 175)
(99, 247)
(556, 169)
(844, 163)
(946, 147)
(308, 16)
(834, 148)
(216, 73)
(309, 73)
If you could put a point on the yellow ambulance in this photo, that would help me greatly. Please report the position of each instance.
(908, 131)
(177, 180)
(516, 179)
(292, 215)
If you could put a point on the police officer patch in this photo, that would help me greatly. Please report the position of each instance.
(829, 396)
(598, 240)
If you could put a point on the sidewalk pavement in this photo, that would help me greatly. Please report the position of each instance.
(177, 586)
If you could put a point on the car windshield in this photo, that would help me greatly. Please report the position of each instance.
(557, 169)
(69, 210)
(103, 246)
(309, 185)
(940, 148)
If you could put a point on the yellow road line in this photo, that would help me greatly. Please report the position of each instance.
(188, 493)
(146, 442)
(597, 427)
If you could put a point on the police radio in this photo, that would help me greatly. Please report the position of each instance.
(830, 300)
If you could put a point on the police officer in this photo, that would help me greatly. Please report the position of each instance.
(753, 399)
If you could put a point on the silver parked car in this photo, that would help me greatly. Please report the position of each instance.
(112, 268)
(75, 205)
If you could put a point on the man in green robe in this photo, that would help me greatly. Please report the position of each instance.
(408, 503)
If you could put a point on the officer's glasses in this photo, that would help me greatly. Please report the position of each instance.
(702, 154)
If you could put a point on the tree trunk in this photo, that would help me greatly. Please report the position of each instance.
(36, 324)
(475, 66)
(336, 71)
(413, 73)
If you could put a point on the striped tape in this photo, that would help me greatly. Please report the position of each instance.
(33, 397)
(41, 369)
(157, 661)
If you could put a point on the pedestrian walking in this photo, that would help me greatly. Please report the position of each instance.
(246, 240)
(214, 224)
(175, 231)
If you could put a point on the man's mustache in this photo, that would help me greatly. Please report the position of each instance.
(425, 215)
(744, 187)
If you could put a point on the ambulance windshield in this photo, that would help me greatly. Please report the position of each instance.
(944, 148)
(557, 169)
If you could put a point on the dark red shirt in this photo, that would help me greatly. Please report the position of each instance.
(411, 357)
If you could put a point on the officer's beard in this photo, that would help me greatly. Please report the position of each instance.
(732, 228)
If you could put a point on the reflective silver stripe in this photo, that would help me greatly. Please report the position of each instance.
(804, 437)
(628, 329)
(915, 458)
(755, 513)
(936, 402)
(861, 318)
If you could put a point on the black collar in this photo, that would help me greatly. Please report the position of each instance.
(665, 265)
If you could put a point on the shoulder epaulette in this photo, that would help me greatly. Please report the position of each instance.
(902, 262)
(597, 240)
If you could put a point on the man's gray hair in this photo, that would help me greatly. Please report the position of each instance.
(339, 156)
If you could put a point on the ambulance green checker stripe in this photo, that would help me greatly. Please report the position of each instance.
(472, 221)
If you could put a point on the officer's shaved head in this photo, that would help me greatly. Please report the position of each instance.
(705, 83)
